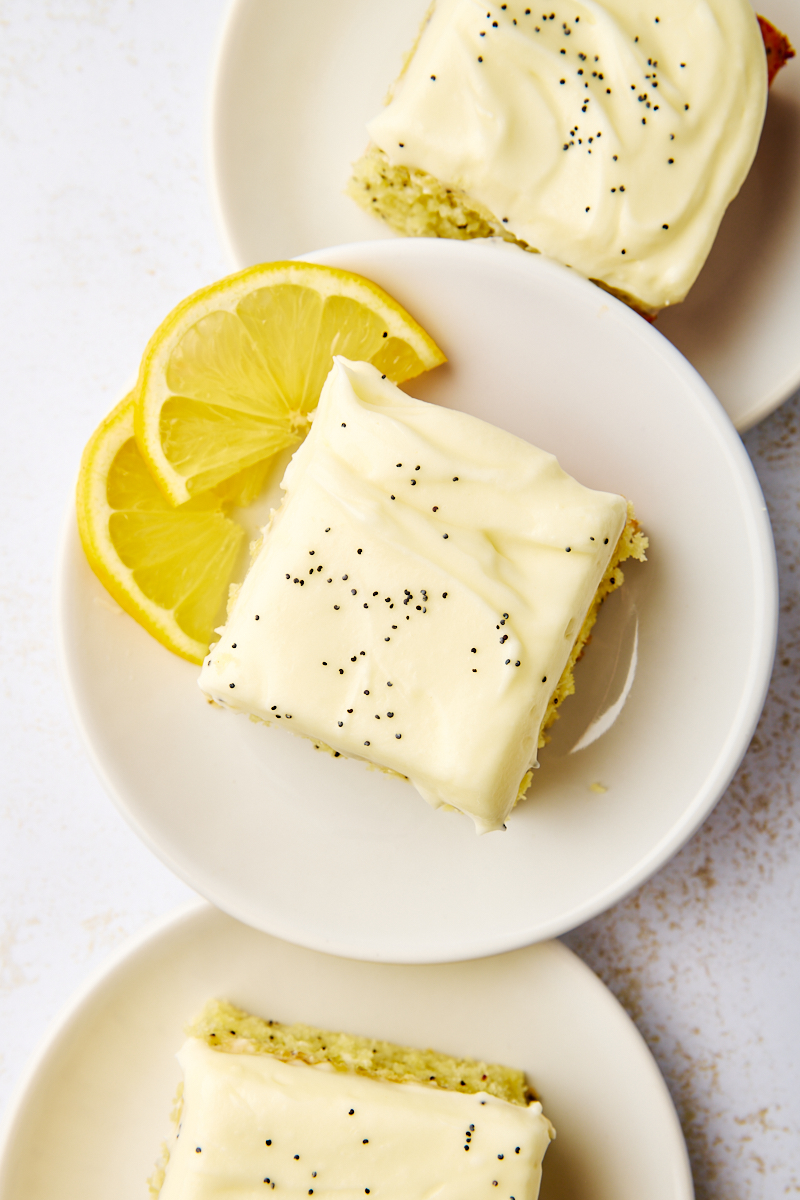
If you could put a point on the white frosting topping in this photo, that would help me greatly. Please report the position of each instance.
(610, 136)
(252, 1125)
(418, 594)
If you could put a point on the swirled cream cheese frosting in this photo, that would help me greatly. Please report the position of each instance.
(417, 596)
(252, 1124)
(610, 136)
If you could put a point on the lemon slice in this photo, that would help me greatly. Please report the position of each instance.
(231, 375)
(168, 567)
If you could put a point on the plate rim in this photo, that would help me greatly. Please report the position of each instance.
(169, 924)
(58, 1025)
(780, 394)
(730, 753)
(211, 166)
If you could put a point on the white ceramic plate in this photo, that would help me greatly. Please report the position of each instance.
(93, 1109)
(295, 85)
(334, 856)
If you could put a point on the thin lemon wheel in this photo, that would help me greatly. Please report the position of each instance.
(230, 377)
(167, 566)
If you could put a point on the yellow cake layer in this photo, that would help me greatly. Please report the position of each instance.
(632, 544)
(416, 204)
(229, 1029)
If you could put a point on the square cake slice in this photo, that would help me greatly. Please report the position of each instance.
(288, 1108)
(610, 136)
(419, 594)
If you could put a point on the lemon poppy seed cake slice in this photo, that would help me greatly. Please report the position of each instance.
(421, 596)
(609, 135)
(265, 1106)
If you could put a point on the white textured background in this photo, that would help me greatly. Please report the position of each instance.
(105, 224)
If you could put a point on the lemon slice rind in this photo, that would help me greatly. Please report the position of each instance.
(94, 513)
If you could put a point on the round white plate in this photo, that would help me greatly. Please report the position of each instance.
(332, 855)
(295, 85)
(91, 1114)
